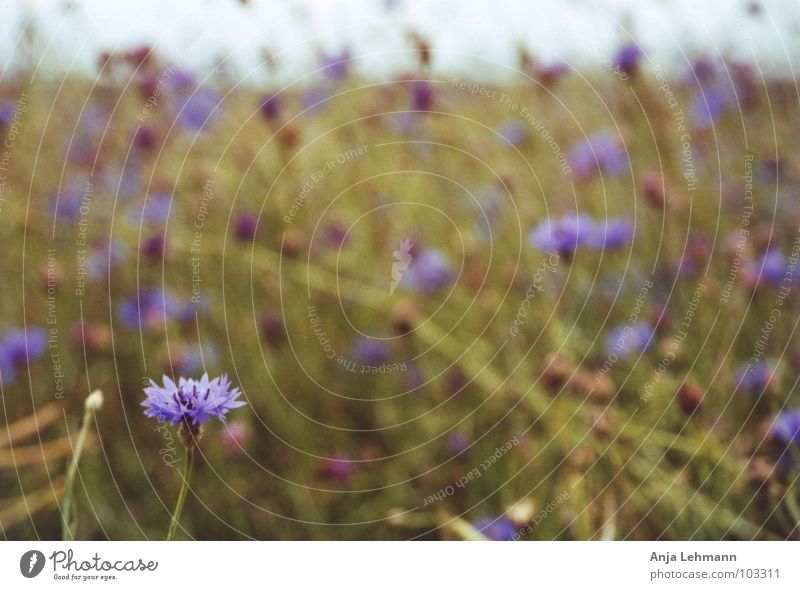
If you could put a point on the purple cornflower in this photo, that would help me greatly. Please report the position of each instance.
(710, 104)
(428, 272)
(496, 529)
(336, 67)
(18, 347)
(770, 269)
(371, 352)
(457, 443)
(245, 226)
(271, 107)
(154, 247)
(151, 309)
(153, 210)
(627, 340)
(600, 151)
(422, 95)
(614, 233)
(192, 402)
(786, 427)
(70, 199)
(8, 109)
(564, 235)
(512, 132)
(753, 377)
(315, 99)
(105, 257)
(337, 468)
(144, 138)
(197, 110)
(627, 58)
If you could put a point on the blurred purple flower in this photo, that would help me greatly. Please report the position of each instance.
(152, 211)
(428, 272)
(614, 233)
(154, 246)
(18, 347)
(315, 99)
(336, 66)
(151, 309)
(371, 352)
(104, 258)
(786, 427)
(627, 58)
(337, 468)
(8, 109)
(195, 112)
(564, 235)
(496, 529)
(422, 95)
(770, 269)
(513, 132)
(144, 138)
(710, 104)
(245, 226)
(457, 443)
(753, 377)
(628, 340)
(271, 107)
(601, 152)
(192, 402)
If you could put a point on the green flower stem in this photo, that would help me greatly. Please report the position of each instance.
(69, 517)
(182, 495)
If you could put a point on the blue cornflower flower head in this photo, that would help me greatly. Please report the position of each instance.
(271, 107)
(613, 234)
(336, 67)
(564, 235)
(150, 310)
(769, 270)
(428, 272)
(7, 110)
(315, 99)
(512, 132)
(627, 58)
(371, 352)
(153, 210)
(196, 111)
(18, 347)
(422, 95)
(190, 403)
(710, 104)
(104, 258)
(245, 226)
(627, 340)
(69, 200)
(496, 529)
(786, 427)
(337, 468)
(601, 152)
(754, 377)
(457, 443)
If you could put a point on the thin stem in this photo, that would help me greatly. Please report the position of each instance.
(69, 518)
(182, 495)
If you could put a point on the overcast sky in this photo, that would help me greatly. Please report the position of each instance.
(467, 35)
